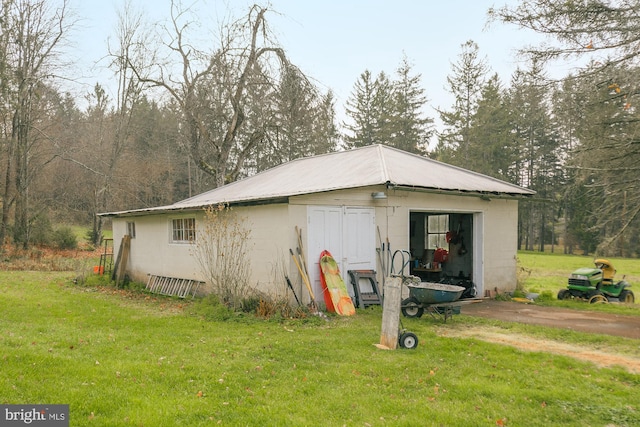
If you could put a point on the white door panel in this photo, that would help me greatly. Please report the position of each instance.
(348, 233)
(359, 241)
(324, 233)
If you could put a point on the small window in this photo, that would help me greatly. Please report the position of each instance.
(437, 227)
(183, 230)
(131, 229)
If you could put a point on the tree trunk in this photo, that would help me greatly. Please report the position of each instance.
(542, 229)
(21, 132)
(7, 199)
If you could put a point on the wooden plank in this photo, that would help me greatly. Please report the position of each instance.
(122, 268)
(391, 313)
(117, 264)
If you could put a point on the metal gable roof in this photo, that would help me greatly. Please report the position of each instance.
(361, 167)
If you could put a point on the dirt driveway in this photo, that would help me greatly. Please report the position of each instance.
(577, 320)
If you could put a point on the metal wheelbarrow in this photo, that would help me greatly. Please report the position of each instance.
(427, 295)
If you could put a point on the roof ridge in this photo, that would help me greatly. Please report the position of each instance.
(383, 162)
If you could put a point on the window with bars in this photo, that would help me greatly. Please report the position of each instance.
(183, 230)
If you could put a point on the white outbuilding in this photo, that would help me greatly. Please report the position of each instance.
(362, 205)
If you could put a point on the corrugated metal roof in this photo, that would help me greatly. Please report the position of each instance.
(361, 167)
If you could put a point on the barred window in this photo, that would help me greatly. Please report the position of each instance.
(183, 230)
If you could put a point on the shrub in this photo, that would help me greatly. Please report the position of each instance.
(250, 304)
(65, 238)
(279, 309)
(41, 233)
(546, 296)
(93, 237)
(221, 250)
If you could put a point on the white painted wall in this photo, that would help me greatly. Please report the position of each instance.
(495, 244)
(273, 235)
(151, 249)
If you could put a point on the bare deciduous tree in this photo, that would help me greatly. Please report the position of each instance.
(32, 33)
(212, 89)
(129, 93)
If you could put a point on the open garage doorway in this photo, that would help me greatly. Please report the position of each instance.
(446, 248)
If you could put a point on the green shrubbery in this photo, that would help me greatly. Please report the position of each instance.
(65, 238)
(42, 233)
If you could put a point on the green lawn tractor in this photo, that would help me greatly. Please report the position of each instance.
(597, 285)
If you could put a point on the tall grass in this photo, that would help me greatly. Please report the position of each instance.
(129, 359)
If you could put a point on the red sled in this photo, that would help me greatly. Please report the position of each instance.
(336, 297)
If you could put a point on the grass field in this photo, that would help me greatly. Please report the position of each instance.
(539, 272)
(545, 271)
(122, 358)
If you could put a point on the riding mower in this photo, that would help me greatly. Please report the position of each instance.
(597, 285)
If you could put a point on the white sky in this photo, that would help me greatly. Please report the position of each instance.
(334, 41)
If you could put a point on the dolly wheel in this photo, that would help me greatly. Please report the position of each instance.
(411, 308)
(627, 297)
(408, 340)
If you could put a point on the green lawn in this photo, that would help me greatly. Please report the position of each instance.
(126, 359)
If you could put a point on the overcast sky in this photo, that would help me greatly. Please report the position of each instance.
(334, 41)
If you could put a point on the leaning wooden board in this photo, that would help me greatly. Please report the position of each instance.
(335, 292)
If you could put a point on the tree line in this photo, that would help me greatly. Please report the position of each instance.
(185, 120)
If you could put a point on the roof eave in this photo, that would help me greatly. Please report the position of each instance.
(484, 195)
(177, 209)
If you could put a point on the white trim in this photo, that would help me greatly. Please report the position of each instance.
(478, 252)
(173, 241)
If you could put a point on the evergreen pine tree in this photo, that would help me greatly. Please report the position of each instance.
(466, 84)
(410, 129)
